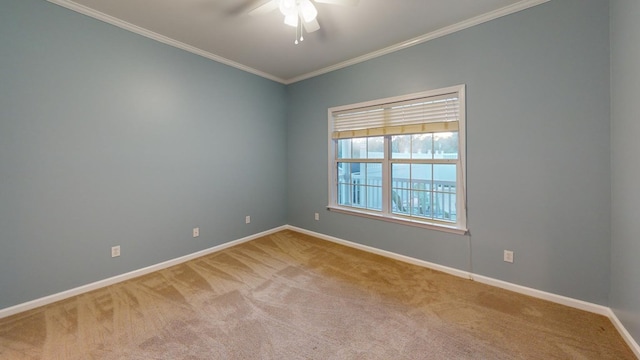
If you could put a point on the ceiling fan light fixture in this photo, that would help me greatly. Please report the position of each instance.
(288, 7)
(307, 10)
(291, 20)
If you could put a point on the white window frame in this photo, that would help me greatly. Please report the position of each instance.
(386, 214)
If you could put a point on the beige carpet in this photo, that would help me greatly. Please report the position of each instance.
(291, 296)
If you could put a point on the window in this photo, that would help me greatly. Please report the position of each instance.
(401, 159)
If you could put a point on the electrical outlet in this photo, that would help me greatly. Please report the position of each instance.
(115, 251)
(247, 219)
(508, 256)
(317, 216)
(196, 232)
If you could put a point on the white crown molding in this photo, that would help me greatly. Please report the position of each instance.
(161, 38)
(507, 10)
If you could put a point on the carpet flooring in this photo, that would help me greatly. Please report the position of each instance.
(292, 296)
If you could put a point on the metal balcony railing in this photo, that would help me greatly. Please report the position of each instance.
(414, 198)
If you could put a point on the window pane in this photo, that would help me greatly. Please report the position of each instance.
(360, 185)
(344, 176)
(374, 174)
(400, 201)
(358, 195)
(359, 148)
(444, 177)
(445, 145)
(421, 175)
(400, 188)
(449, 207)
(358, 179)
(421, 203)
(374, 198)
(343, 172)
(422, 146)
(444, 196)
(344, 194)
(401, 147)
(348, 178)
(444, 206)
(344, 148)
(374, 186)
(355, 172)
(375, 147)
(400, 175)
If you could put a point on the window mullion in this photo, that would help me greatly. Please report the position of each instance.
(333, 173)
(386, 177)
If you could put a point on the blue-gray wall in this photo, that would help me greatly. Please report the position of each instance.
(538, 164)
(625, 172)
(108, 138)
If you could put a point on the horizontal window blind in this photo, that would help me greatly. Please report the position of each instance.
(420, 115)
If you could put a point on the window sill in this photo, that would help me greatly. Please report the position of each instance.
(400, 220)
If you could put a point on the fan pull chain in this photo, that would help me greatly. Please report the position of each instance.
(301, 30)
(301, 36)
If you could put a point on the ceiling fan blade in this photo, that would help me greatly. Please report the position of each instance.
(339, 2)
(311, 26)
(264, 8)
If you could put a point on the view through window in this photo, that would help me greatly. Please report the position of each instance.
(401, 158)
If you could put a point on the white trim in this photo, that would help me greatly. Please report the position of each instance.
(161, 38)
(558, 299)
(578, 304)
(507, 10)
(385, 253)
(331, 149)
(127, 276)
(397, 219)
(461, 171)
(459, 227)
(624, 333)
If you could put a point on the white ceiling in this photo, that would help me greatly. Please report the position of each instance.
(223, 31)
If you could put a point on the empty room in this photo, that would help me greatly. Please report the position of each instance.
(319, 179)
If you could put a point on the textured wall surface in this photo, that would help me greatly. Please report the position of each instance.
(109, 138)
(625, 173)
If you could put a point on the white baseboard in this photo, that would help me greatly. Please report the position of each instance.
(633, 344)
(559, 299)
(385, 253)
(130, 275)
(578, 304)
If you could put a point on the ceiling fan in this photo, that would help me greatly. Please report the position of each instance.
(298, 11)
